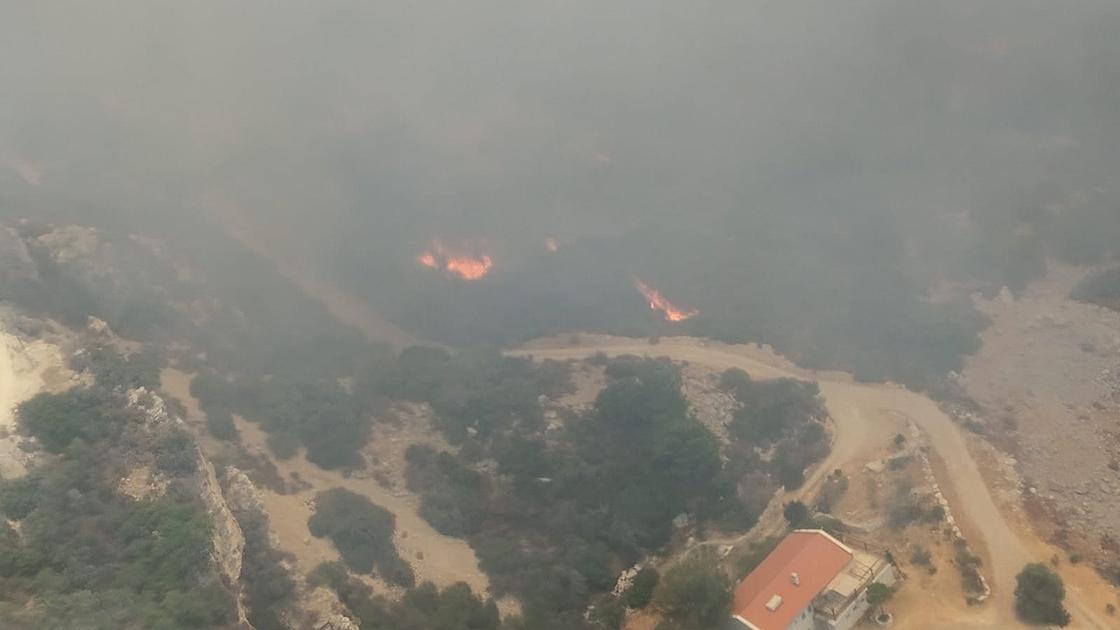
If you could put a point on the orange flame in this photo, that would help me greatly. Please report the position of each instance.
(657, 302)
(464, 266)
(469, 268)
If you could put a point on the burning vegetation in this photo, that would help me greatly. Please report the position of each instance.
(466, 266)
(657, 302)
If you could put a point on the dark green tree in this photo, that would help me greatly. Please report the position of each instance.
(877, 594)
(797, 515)
(640, 593)
(1039, 594)
(695, 594)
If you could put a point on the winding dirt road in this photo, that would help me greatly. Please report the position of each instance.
(851, 406)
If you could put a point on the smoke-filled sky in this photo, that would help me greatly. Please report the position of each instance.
(355, 132)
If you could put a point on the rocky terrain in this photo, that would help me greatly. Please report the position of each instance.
(1048, 376)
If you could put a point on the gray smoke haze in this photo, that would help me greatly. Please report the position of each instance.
(653, 137)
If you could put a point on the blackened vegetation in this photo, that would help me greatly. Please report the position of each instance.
(86, 555)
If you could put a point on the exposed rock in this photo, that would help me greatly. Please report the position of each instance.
(710, 405)
(141, 484)
(324, 610)
(228, 541)
(1048, 378)
(241, 495)
(98, 327)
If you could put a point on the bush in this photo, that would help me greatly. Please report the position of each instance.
(833, 489)
(747, 560)
(175, 453)
(18, 497)
(220, 424)
(920, 556)
(268, 586)
(56, 420)
(362, 532)
(968, 564)
(453, 498)
(1038, 596)
(796, 514)
(695, 594)
(640, 593)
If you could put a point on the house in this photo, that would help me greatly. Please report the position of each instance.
(811, 581)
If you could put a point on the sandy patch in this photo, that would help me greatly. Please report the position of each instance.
(26, 369)
(435, 557)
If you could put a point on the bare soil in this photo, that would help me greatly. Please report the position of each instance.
(26, 369)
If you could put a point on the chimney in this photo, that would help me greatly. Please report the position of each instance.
(795, 578)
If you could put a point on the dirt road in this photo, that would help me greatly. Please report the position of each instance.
(852, 405)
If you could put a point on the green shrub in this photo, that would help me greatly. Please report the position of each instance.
(1038, 596)
(362, 532)
(640, 593)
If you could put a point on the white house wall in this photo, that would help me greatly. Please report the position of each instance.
(804, 621)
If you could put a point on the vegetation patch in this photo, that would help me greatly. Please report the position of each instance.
(363, 534)
(1038, 596)
(88, 556)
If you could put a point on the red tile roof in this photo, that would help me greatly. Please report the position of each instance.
(813, 555)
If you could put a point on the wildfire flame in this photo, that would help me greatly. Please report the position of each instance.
(465, 266)
(657, 302)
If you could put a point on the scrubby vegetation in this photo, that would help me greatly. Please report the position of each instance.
(571, 507)
(453, 497)
(1038, 596)
(363, 534)
(783, 415)
(423, 607)
(318, 415)
(85, 554)
(641, 590)
(267, 585)
(694, 595)
(553, 512)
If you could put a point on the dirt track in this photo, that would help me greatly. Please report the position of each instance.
(851, 405)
